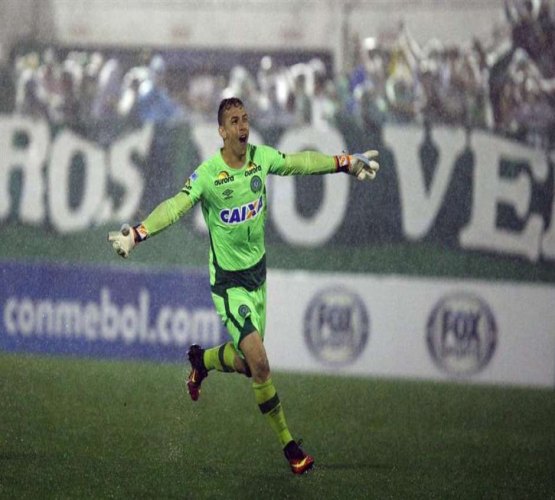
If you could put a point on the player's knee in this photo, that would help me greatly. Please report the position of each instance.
(260, 369)
(242, 366)
(247, 370)
(255, 357)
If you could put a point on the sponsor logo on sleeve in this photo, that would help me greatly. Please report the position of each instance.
(461, 334)
(336, 326)
(189, 183)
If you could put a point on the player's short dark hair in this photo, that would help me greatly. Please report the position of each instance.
(228, 104)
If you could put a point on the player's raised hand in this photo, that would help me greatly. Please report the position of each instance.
(123, 241)
(363, 165)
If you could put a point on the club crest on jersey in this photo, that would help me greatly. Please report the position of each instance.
(244, 310)
(223, 178)
(256, 184)
(246, 212)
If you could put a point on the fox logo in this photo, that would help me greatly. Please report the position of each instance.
(238, 215)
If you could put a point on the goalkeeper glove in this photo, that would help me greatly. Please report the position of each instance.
(124, 240)
(360, 165)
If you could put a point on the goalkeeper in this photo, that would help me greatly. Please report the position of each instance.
(231, 187)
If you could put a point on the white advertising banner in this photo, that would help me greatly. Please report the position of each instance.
(388, 326)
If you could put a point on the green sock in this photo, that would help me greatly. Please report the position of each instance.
(220, 358)
(268, 401)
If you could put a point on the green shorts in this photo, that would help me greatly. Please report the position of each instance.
(242, 312)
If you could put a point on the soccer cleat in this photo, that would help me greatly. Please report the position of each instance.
(198, 371)
(299, 461)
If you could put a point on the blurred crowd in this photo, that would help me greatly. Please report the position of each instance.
(505, 85)
(91, 93)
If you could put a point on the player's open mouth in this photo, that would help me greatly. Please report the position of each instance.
(243, 138)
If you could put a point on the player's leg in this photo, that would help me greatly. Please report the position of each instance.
(264, 390)
(265, 393)
(224, 357)
(268, 401)
(244, 314)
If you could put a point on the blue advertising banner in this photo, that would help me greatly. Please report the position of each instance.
(105, 312)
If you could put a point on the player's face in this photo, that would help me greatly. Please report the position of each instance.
(235, 130)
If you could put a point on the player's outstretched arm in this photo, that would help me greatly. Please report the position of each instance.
(165, 214)
(363, 166)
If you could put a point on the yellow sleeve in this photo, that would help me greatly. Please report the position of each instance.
(167, 212)
(307, 163)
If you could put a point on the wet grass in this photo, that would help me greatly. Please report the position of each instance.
(75, 428)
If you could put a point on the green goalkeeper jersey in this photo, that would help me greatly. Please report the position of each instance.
(233, 202)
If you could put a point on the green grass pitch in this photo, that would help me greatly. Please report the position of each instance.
(76, 428)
